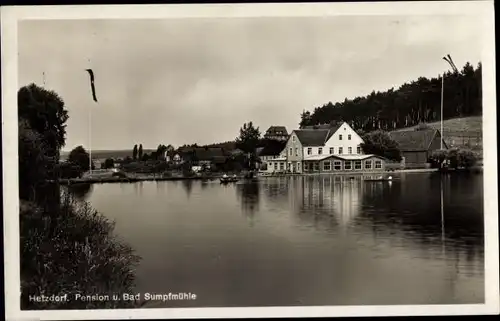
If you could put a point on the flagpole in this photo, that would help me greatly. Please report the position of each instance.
(442, 96)
(90, 140)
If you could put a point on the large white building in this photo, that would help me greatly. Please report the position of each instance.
(335, 148)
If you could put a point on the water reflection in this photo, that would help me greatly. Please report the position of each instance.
(188, 186)
(80, 191)
(249, 195)
(319, 239)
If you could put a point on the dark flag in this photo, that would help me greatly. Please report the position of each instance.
(91, 73)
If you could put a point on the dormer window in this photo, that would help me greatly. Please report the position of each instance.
(320, 151)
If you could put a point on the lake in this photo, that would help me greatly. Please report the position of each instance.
(305, 240)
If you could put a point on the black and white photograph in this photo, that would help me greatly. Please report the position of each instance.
(250, 160)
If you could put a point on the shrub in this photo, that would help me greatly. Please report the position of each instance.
(72, 252)
(455, 158)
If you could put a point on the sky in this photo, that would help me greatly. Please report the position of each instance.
(197, 80)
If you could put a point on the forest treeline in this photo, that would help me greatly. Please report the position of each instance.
(412, 103)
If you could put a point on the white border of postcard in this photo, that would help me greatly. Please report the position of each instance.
(11, 15)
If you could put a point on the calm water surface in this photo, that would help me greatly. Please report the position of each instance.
(305, 240)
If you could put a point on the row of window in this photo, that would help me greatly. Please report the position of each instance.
(348, 165)
(281, 166)
(332, 150)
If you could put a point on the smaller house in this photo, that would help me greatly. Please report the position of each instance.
(272, 156)
(417, 145)
(276, 133)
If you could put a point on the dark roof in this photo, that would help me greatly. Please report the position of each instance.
(272, 148)
(415, 140)
(312, 137)
(276, 130)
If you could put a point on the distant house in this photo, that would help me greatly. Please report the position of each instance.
(417, 145)
(276, 133)
(272, 157)
(203, 156)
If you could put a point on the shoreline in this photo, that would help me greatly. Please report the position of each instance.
(75, 181)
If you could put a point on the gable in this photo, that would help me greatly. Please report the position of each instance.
(337, 130)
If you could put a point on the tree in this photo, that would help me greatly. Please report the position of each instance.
(140, 152)
(410, 104)
(134, 152)
(45, 113)
(33, 161)
(249, 138)
(79, 156)
(160, 152)
(109, 163)
(380, 143)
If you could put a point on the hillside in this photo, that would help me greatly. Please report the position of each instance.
(463, 132)
(408, 105)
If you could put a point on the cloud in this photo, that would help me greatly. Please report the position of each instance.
(197, 80)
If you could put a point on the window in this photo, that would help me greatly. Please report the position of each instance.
(349, 137)
(282, 166)
(306, 166)
(298, 166)
(320, 151)
(327, 166)
(368, 164)
(309, 151)
(275, 166)
(347, 165)
(316, 166)
(270, 164)
(291, 151)
(357, 165)
(289, 167)
(331, 150)
(293, 138)
(296, 152)
(340, 150)
(349, 150)
(378, 164)
(358, 150)
(340, 137)
(337, 165)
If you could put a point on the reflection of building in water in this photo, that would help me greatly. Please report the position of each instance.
(332, 195)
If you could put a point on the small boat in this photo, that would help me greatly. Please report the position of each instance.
(226, 179)
(379, 179)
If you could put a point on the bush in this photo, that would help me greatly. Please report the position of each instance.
(72, 252)
(453, 158)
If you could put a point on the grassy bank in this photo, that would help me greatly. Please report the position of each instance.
(72, 250)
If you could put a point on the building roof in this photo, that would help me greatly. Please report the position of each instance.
(316, 135)
(272, 148)
(415, 140)
(276, 130)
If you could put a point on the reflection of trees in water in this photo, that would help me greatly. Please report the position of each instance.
(249, 195)
(413, 207)
(80, 191)
(188, 186)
